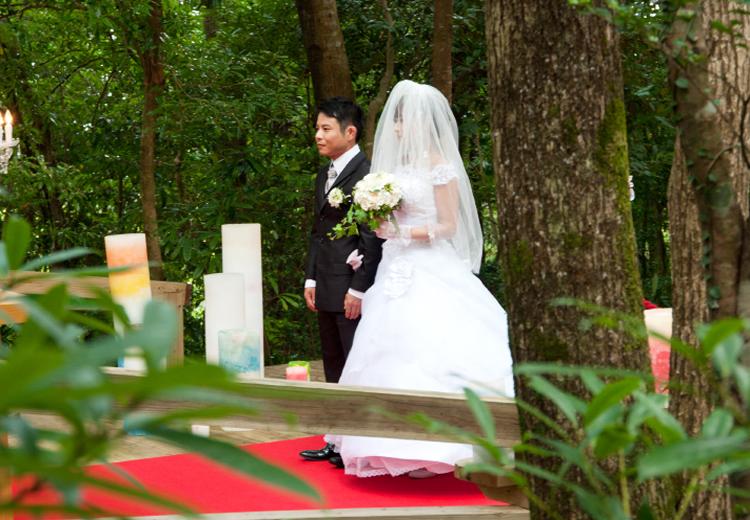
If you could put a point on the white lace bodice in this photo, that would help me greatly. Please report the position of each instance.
(418, 193)
(418, 208)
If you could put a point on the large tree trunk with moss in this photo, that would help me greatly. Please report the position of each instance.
(442, 48)
(561, 161)
(707, 264)
(324, 44)
(153, 85)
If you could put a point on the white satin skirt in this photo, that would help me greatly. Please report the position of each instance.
(427, 324)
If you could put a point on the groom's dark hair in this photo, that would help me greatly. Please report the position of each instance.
(344, 110)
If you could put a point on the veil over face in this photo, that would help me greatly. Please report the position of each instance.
(417, 133)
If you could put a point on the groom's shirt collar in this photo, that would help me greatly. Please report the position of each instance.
(340, 163)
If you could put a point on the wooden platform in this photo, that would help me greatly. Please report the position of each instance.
(140, 447)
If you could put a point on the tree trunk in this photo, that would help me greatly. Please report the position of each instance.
(326, 53)
(153, 85)
(561, 161)
(378, 101)
(709, 135)
(690, 394)
(442, 46)
(210, 24)
(706, 151)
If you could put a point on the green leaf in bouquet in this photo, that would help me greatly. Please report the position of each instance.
(17, 237)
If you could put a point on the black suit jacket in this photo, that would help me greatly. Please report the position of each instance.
(326, 259)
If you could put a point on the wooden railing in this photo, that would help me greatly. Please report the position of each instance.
(176, 293)
(330, 408)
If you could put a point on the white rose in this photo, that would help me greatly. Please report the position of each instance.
(335, 197)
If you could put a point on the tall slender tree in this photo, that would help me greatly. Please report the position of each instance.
(561, 163)
(377, 102)
(153, 86)
(708, 203)
(326, 52)
(442, 48)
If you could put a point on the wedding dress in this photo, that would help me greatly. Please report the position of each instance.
(427, 324)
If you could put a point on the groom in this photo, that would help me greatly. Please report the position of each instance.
(338, 271)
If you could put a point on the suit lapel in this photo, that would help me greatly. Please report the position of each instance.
(348, 170)
(320, 185)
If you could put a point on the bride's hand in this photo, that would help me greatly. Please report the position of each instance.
(386, 230)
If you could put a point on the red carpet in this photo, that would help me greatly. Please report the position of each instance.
(208, 488)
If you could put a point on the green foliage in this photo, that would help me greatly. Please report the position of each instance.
(622, 437)
(235, 135)
(51, 369)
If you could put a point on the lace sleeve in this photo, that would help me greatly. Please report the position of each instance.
(443, 174)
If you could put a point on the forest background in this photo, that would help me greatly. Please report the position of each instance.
(234, 132)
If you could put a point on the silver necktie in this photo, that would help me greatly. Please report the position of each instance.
(331, 177)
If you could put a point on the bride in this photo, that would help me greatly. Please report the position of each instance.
(427, 322)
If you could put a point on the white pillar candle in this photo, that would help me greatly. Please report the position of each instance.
(8, 126)
(224, 308)
(241, 253)
(131, 288)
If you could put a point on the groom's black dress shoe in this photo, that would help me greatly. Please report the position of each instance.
(324, 453)
(337, 461)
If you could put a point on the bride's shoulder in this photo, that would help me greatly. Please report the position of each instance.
(443, 172)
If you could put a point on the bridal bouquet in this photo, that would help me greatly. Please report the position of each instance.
(374, 198)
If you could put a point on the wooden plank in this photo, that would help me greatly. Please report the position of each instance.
(392, 513)
(176, 293)
(11, 312)
(332, 408)
(25, 282)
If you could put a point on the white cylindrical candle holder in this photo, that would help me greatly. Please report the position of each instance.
(241, 253)
(131, 287)
(224, 308)
(241, 352)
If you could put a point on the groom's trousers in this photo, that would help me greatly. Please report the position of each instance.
(336, 337)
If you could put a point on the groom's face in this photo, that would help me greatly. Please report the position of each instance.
(331, 139)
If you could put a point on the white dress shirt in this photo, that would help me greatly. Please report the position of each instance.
(339, 164)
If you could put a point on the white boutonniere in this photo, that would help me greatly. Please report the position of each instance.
(336, 197)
